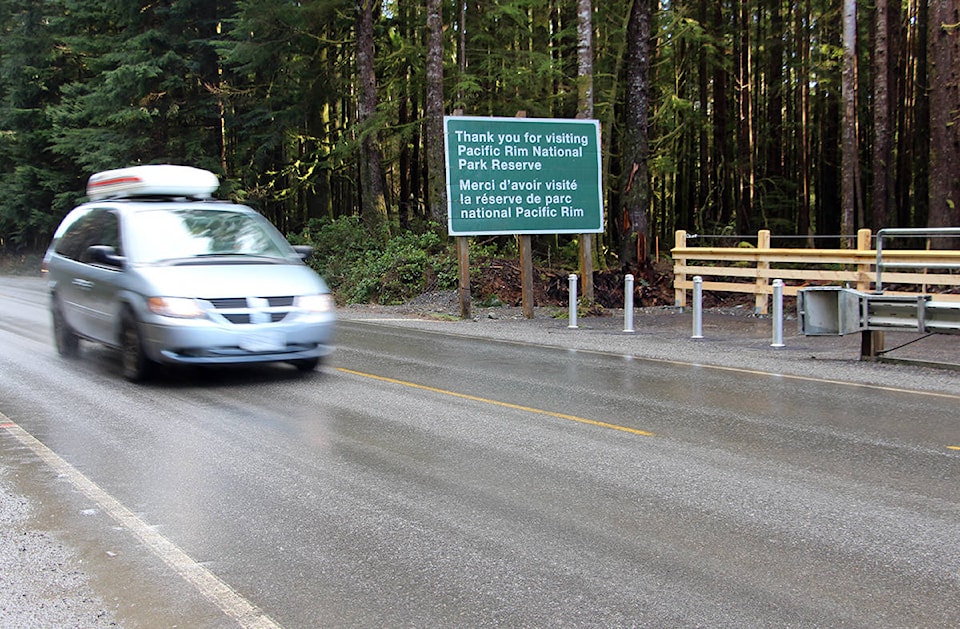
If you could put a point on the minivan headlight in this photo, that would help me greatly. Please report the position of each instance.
(177, 307)
(322, 302)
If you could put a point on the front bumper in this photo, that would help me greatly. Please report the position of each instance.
(198, 342)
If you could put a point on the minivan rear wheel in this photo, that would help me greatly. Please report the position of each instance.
(137, 367)
(66, 340)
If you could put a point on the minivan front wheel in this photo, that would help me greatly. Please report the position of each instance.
(136, 365)
(306, 365)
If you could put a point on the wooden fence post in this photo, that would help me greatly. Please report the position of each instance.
(864, 243)
(679, 294)
(760, 302)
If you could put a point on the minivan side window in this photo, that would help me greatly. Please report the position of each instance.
(97, 227)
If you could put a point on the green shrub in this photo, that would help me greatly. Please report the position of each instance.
(337, 247)
(363, 269)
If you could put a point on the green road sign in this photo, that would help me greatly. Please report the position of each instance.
(522, 176)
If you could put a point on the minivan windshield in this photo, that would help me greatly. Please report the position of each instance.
(170, 234)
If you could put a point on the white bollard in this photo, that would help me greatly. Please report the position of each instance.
(572, 279)
(697, 307)
(777, 314)
(628, 303)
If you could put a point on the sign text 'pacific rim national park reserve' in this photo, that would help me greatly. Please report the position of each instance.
(523, 176)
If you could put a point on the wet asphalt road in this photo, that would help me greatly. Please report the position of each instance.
(427, 479)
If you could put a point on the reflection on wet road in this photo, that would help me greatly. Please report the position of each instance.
(516, 407)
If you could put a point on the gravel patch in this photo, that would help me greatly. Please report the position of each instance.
(41, 584)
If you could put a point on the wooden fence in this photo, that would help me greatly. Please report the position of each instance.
(752, 270)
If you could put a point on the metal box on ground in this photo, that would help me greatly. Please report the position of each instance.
(830, 311)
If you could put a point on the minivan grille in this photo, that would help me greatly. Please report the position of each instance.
(245, 310)
(229, 303)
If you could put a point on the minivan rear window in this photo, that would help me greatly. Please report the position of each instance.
(96, 227)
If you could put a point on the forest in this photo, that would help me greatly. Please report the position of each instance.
(810, 118)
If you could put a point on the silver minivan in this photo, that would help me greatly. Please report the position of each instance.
(154, 266)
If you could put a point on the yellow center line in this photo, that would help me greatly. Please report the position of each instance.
(953, 447)
(516, 407)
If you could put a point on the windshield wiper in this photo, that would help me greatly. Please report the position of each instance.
(219, 258)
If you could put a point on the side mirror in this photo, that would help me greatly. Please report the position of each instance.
(105, 255)
(304, 251)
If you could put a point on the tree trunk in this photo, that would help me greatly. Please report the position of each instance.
(774, 138)
(849, 131)
(882, 123)
(373, 205)
(922, 159)
(585, 111)
(803, 157)
(944, 70)
(745, 139)
(635, 185)
(585, 59)
(723, 153)
(436, 169)
(692, 218)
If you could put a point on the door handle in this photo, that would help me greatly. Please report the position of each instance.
(84, 284)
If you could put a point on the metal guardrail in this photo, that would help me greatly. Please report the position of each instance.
(913, 233)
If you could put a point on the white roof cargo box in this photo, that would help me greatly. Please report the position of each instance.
(156, 180)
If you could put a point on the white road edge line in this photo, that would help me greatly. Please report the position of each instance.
(208, 584)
